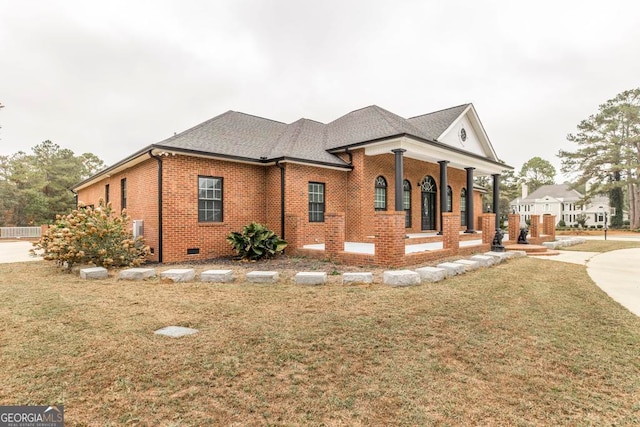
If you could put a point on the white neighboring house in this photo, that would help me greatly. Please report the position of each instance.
(562, 201)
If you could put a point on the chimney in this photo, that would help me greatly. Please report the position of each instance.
(525, 190)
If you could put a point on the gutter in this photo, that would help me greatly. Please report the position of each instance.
(159, 160)
(282, 204)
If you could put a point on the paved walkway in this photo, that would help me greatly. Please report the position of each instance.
(16, 252)
(616, 272)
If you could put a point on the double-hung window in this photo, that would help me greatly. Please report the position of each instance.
(316, 202)
(209, 199)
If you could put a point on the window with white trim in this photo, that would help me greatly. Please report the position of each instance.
(209, 199)
(316, 202)
(380, 202)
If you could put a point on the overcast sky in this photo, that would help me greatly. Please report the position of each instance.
(112, 77)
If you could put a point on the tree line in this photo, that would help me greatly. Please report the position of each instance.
(35, 186)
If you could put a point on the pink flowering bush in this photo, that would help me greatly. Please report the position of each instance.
(92, 236)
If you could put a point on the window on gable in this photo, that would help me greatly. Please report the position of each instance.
(209, 199)
(316, 202)
(123, 193)
(381, 194)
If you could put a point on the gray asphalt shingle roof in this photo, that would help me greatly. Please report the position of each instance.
(242, 135)
(557, 191)
(433, 124)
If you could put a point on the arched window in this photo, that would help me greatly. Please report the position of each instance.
(381, 194)
(406, 202)
(463, 207)
(449, 199)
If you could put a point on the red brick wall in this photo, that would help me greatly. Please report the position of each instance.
(142, 198)
(252, 193)
(244, 189)
(297, 197)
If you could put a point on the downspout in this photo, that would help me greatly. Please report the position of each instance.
(159, 160)
(281, 198)
(75, 196)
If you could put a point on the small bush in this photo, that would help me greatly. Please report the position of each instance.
(92, 236)
(562, 224)
(255, 242)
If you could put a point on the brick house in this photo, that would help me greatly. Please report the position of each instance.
(190, 191)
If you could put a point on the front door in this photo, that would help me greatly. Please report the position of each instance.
(428, 191)
(428, 211)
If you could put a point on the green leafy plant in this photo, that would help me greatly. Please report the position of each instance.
(255, 242)
(91, 236)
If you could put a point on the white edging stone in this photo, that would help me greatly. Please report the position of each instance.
(484, 260)
(357, 278)
(217, 276)
(432, 274)
(468, 264)
(311, 278)
(94, 273)
(499, 256)
(263, 277)
(137, 274)
(179, 274)
(400, 278)
(452, 268)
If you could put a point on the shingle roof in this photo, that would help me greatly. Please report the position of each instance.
(244, 136)
(367, 124)
(557, 191)
(231, 133)
(432, 125)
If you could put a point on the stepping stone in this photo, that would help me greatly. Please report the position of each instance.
(263, 277)
(137, 273)
(432, 274)
(400, 278)
(468, 264)
(179, 274)
(217, 276)
(484, 260)
(175, 331)
(311, 278)
(452, 268)
(94, 273)
(357, 278)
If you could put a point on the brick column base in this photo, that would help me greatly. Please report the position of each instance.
(334, 233)
(450, 230)
(534, 229)
(488, 227)
(514, 227)
(390, 234)
(549, 225)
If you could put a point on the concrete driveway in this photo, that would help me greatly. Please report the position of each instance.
(16, 251)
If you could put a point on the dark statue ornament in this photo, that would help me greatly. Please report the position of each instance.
(522, 237)
(496, 245)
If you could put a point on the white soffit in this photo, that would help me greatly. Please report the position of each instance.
(433, 153)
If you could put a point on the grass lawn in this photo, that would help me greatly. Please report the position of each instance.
(602, 246)
(528, 342)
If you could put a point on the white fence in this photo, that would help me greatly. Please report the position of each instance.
(19, 232)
